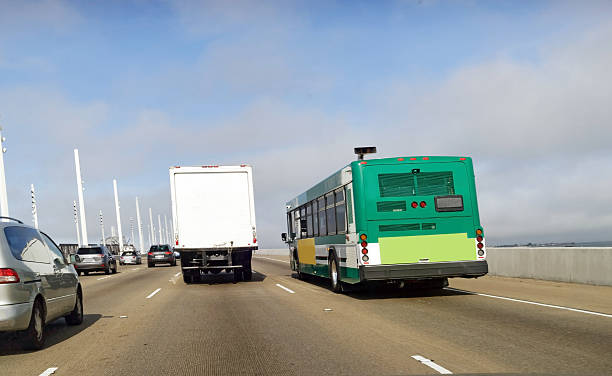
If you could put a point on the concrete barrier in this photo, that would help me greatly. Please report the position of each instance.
(566, 264)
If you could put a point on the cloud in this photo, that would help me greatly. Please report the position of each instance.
(31, 16)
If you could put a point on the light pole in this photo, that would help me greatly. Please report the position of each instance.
(102, 228)
(118, 217)
(76, 223)
(166, 223)
(132, 230)
(152, 229)
(161, 238)
(34, 211)
(139, 226)
(4, 211)
(77, 165)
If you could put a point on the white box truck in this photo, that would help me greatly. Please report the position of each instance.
(213, 214)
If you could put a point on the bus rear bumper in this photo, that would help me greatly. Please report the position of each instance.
(424, 270)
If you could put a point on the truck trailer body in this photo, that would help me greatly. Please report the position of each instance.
(213, 216)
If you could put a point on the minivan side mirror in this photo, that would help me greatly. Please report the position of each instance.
(284, 236)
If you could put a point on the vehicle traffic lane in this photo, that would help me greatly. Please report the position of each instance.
(218, 327)
(122, 294)
(471, 333)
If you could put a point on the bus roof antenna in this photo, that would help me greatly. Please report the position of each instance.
(361, 151)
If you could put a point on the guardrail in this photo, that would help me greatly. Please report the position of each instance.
(591, 265)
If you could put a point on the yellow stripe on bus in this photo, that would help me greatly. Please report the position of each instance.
(306, 251)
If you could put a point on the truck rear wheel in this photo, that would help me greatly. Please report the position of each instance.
(247, 273)
(237, 275)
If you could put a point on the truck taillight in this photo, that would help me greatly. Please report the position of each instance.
(8, 276)
(254, 240)
(176, 241)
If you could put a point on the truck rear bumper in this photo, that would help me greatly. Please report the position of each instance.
(211, 267)
(424, 270)
(216, 249)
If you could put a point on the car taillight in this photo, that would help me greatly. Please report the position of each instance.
(168, 253)
(150, 253)
(8, 276)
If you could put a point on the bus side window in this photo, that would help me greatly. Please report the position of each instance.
(322, 221)
(315, 218)
(303, 229)
(309, 219)
(340, 211)
(331, 213)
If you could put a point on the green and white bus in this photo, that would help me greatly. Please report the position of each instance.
(392, 219)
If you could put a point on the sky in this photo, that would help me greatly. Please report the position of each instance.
(290, 87)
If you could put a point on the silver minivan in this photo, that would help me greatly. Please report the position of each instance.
(37, 283)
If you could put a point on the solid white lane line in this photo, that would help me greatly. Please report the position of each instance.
(153, 293)
(108, 276)
(534, 303)
(177, 274)
(286, 289)
(267, 258)
(49, 371)
(431, 364)
(135, 269)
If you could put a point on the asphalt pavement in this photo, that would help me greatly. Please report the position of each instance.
(146, 321)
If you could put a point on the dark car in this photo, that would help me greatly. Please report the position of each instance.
(160, 254)
(95, 259)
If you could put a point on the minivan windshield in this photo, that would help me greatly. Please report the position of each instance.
(90, 251)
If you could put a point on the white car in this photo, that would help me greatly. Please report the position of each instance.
(130, 257)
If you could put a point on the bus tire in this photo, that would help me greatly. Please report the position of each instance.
(334, 273)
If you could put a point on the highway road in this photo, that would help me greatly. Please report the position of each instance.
(144, 321)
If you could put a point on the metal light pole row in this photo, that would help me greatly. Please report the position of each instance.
(79, 213)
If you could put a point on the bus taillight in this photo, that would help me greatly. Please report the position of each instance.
(414, 204)
(364, 251)
(364, 244)
(363, 237)
(423, 204)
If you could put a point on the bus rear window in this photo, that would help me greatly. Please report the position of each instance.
(449, 203)
(416, 184)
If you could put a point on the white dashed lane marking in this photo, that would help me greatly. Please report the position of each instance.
(49, 371)
(153, 293)
(431, 364)
(286, 289)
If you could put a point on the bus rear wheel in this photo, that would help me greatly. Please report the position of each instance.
(334, 274)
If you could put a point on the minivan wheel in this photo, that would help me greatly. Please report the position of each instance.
(76, 316)
(35, 333)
